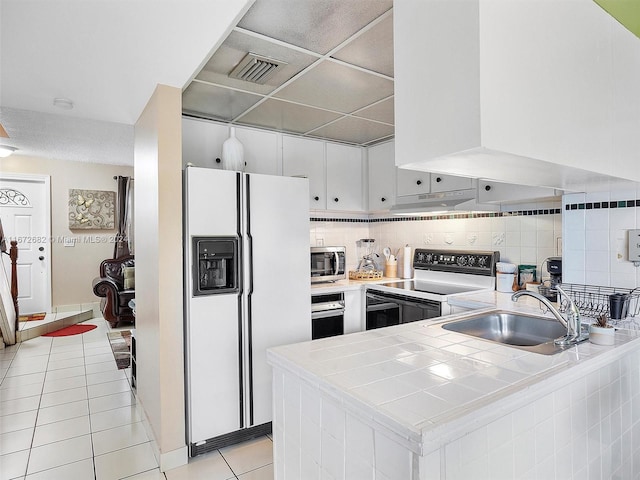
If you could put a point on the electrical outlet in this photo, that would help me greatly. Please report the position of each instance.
(320, 242)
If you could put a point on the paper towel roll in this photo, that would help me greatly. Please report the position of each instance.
(406, 262)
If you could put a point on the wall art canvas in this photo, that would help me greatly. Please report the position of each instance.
(92, 209)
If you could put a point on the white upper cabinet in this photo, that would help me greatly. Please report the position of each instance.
(344, 177)
(412, 182)
(496, 192)
(202, 146)
(260, 151)
(202, 142)
(530, 92)
(446, 183)
(302, 157)
(382, 173)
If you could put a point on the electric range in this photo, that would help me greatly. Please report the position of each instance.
(438, 275)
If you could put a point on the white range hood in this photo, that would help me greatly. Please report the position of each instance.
(455, 200)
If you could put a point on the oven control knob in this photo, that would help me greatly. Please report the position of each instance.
(421, 257)
(472, 260)
(429, 258)
(482, 261)
(462, 260)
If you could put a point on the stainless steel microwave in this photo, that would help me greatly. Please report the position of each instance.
(327, 264)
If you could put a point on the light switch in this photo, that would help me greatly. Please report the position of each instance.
(634, 247)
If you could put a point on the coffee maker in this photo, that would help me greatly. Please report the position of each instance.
(554, 267)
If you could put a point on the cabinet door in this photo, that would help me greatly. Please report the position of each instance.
(497, 192)
(344, 178)
(446, 183)
(412, 182)
(353, 311)
(260, 150)
(202, 142)
(382, 172)
(305, 158)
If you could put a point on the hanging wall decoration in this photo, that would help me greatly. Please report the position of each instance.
(92, 209)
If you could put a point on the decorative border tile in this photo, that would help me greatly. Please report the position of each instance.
(597, 205)
(418, 218)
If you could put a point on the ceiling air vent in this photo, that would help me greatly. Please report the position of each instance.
(256, 68)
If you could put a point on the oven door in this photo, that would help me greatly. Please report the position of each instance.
(385, 309)
(327, 315)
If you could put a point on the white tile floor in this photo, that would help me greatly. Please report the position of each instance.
(67, 412)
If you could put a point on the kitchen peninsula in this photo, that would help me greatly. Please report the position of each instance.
(417, 402)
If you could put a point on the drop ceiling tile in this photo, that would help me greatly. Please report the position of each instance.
(382, 112)
(372, 50)
(216, 102)
(318, 26)
(285, 116)
(234, 49)
(354, 130)
(337, 87)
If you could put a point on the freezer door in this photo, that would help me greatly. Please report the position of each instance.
(278, 284)
(212, 202)
(213, 367)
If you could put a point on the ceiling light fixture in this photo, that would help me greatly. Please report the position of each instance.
(63, 103)
(5, 150)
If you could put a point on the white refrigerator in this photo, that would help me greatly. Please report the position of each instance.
(264, 221)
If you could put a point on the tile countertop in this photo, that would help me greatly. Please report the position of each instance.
(429, 386)
(342, 285)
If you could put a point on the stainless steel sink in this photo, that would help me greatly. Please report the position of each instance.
(526, 332)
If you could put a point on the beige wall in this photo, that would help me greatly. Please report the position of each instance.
(73, 268)
(159, 324)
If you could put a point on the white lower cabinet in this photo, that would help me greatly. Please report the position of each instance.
(354, 311)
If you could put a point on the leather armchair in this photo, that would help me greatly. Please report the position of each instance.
(110, 286)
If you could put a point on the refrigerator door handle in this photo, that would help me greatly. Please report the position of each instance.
(240, 256)
(249, 313)
(250, 241)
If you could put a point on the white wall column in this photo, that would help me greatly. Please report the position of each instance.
(159, 302)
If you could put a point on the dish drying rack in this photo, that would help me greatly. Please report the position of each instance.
(593, 300)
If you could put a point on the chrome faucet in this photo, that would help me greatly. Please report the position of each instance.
(572, 323)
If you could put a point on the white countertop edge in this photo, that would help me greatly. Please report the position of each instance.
(430, 437)
(434, 437)
(401, 433)
(455, 424)
(344, 285)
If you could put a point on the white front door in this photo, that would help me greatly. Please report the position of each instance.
(25, 212)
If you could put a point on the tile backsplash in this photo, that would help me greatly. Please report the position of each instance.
(595, 237)
(526, 236)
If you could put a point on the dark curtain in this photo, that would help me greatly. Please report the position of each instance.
(125, 191)
(3, 241)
